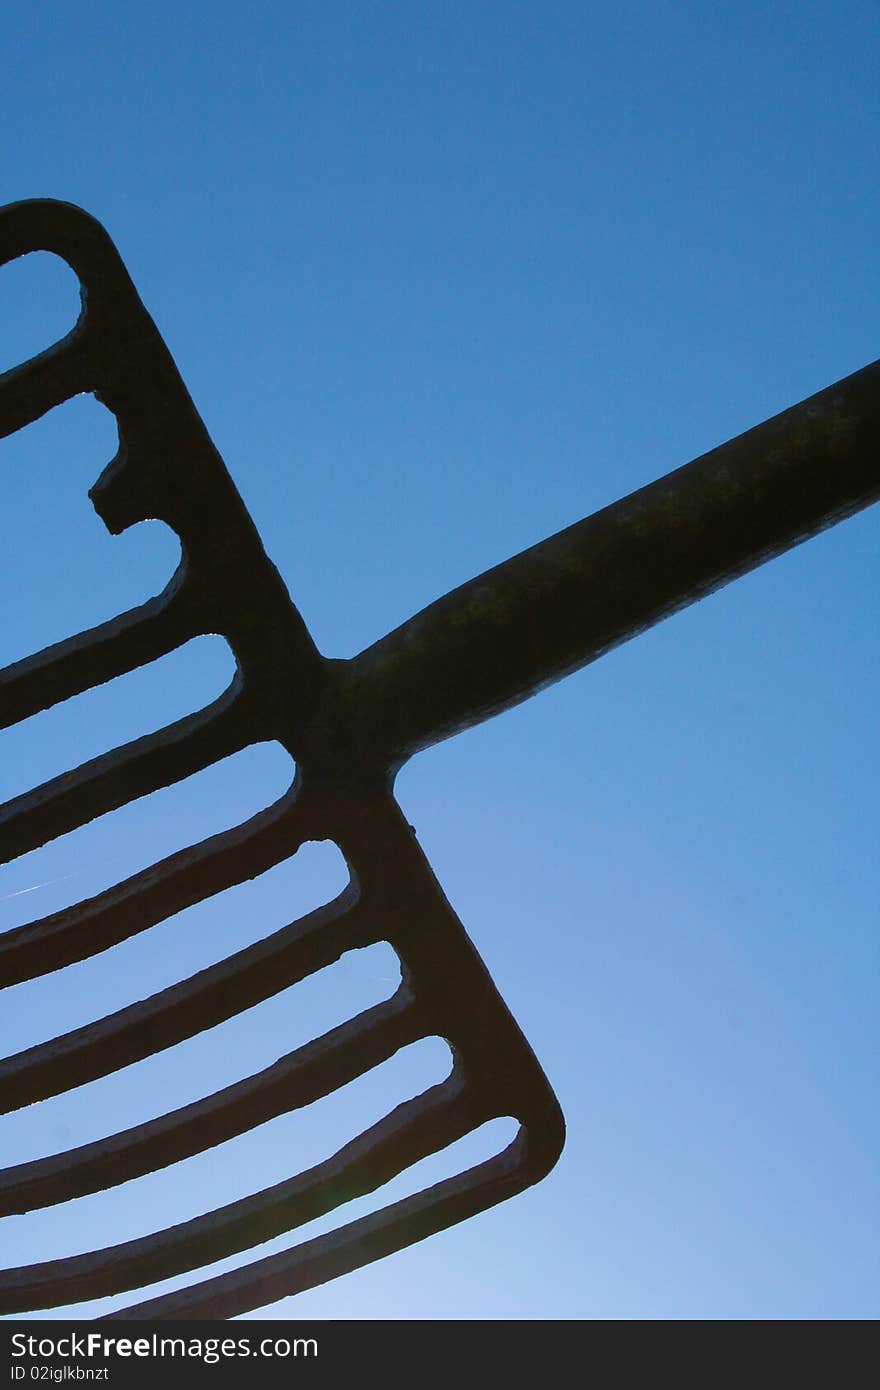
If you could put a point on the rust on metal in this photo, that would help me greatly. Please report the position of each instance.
(349, 726)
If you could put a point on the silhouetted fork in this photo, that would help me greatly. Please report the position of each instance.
(349, 727)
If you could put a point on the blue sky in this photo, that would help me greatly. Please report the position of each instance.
(442, 279)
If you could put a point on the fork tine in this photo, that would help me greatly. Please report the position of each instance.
(101, 654)
(30, 390)
(210, 997)
(292, 1082)
(114, 779)
(148, 897)
(411, 1132)
(349, 1247)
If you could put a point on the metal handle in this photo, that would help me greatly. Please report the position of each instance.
(557, 606)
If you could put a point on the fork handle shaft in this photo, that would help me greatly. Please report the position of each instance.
(557, 606)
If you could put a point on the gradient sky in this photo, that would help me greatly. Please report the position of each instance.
(443, 278)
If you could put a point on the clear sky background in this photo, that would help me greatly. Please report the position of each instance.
(443, 278)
